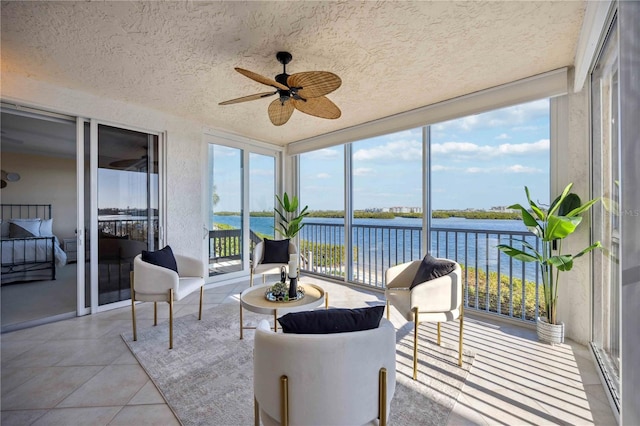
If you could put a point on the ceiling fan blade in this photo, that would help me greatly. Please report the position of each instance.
(318, 107)
(260, 79)
(248, 98)
(280, 113)
(314, 83)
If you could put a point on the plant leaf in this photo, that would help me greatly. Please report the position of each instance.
(559, 227)
(517, 254)
(556, 206)
(562, 263)
(537, 210)
(580, 209)
(529, 221)
(588, 249)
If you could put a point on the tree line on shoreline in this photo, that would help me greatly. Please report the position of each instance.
(363, 214)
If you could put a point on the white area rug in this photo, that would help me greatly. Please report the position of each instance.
(207, 379)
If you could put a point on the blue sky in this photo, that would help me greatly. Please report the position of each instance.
(478, 161)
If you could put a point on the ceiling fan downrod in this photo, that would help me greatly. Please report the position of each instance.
(284, 58)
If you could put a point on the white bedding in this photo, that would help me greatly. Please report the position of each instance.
(19, 251)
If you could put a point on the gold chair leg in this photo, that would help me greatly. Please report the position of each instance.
(326, 300)
(256, 412)
(382, 397)
(133, 307)
(438, 334)
(461, 327)
(264, 279)
(171, 318)
(284, 401)
(388, 309)
(155, 313)
(251, 278)
(201, 297)
(415, 343)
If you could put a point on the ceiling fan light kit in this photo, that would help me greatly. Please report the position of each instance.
(304, 91)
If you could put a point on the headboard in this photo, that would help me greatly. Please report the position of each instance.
(25, 211)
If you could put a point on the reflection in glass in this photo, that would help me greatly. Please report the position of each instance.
(225, 209)
(127, 206)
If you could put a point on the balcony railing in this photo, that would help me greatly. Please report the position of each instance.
(494, 282)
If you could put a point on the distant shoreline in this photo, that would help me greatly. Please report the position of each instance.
(360, 214)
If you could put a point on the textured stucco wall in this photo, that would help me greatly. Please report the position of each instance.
(184, 143)
(574, 300)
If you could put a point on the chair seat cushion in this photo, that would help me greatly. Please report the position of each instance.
(276, 251)
(326, 321)
(164, 258)
(187, 285)
(431, 268)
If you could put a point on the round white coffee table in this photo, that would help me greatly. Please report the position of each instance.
(254, 300)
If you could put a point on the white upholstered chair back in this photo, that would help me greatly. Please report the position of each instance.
(438, 300)
(333, 379)
(257, 267)
(152, 283)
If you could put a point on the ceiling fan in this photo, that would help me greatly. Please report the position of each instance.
(304, 91)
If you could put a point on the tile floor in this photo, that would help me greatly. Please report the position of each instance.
(80, 372)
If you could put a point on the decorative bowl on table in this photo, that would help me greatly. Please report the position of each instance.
(279, 292)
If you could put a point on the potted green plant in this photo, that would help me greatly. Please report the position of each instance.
(551, 227)
(289, 223)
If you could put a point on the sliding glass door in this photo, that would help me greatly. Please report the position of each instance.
(124, 207)
(241, 179)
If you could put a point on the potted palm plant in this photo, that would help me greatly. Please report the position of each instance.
(289, 222)
(551, 227)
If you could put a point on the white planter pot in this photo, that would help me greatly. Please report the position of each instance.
(549, 333)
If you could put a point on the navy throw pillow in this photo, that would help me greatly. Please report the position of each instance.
(164, 258)
(432, 268)
(327, 321)
(17, 231)
(275, 251)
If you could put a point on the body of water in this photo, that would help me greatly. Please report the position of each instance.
(264, 225)
(385, 242)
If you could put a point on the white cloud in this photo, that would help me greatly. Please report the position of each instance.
(517, 168)
(472, 149)
(406, 150)
(507, 117)
(479, 170)
(439, 168)
(323, 154)
(323, 176)
(362, 171)
(503, 136)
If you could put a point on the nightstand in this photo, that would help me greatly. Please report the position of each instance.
(70, 246)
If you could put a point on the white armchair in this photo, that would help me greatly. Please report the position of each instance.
(324, 379)
(152, 283)
(437, 300)
(258, 267)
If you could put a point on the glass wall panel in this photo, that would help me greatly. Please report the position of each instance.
(480, 165)
(606, 215)
(128, 191)
(226, 209)
(387, 203)
(262, 187)
(322, 189)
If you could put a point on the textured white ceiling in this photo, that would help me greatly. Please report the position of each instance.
(392, 57)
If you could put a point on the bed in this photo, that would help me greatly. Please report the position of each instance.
(29, 250)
